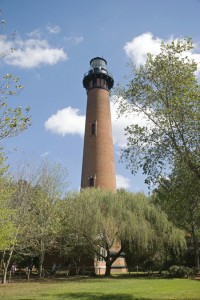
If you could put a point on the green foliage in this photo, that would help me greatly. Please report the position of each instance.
(3, 167)
(151, 228)
(30, 213)
(179, 197)
(12, 120)
(181, 271)
(103, 218)
(7, 215)
(166, 93)
(41, 221)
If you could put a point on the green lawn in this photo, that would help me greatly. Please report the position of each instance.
(102, 289)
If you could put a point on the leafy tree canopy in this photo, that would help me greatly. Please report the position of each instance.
(179, 197)
(7, 215)
(165, 90)
(115, 220)
(13, 118)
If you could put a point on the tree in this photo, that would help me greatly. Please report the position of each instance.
(75, 248)
(179, 197)
(166, 93)
(113, 220)
(7, 228)
(35, 216)
(12, 119)
(12, 122)
(41, 223)
(39, 237)
(17, 206)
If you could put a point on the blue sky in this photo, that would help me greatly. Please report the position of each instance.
(55, 40)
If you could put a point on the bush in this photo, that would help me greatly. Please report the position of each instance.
(181, 271)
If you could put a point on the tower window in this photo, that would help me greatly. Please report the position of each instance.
(93, 128)
(91, 181)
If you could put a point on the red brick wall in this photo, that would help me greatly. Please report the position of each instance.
(98, 155)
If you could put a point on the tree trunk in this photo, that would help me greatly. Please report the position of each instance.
(41, 259)
(108, 266)
(28, 272)
(195, 245)
(41, 262)
(110, 260)
(4, 276)
(6, 264)
(40, 271)
(196, 257)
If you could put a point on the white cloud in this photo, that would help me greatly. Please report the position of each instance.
(119, 124)
(140, 46)
(35, 34)
(70, 121)
(31, 53)
(53, 29)
(45, 154)
(5, 46)
(74, 39)
(66, 121)
(146, 42)
(122, 182)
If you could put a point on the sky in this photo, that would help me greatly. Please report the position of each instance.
(55, 41)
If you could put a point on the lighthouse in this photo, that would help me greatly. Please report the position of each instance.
(98, 167)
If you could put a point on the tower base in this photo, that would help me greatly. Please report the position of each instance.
(119, 266)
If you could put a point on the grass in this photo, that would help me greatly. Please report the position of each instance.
(102, 289)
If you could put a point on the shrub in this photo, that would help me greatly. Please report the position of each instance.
(181, 271)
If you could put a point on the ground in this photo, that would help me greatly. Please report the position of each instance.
(100, 288)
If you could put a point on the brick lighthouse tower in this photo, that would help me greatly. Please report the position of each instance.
(98, 169)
